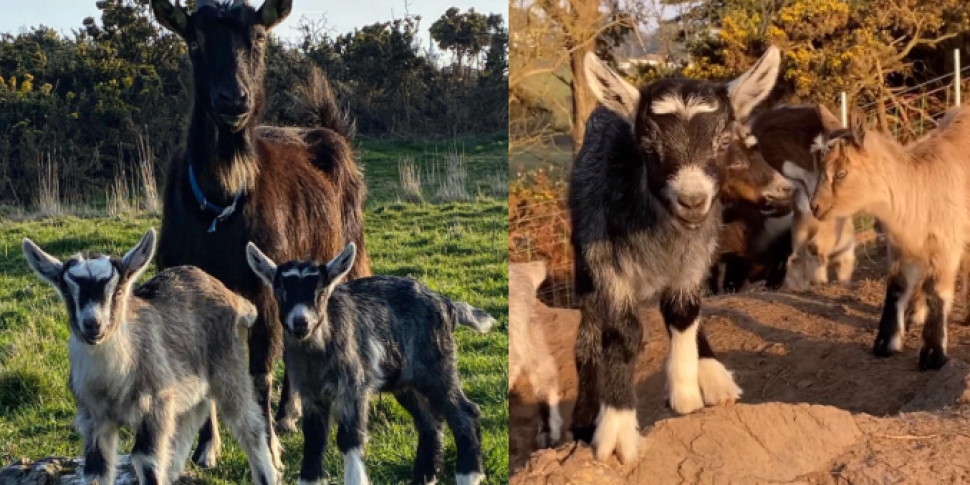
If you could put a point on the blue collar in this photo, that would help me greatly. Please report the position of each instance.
(222, 213)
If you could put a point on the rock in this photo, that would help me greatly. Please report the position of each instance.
(62, 471)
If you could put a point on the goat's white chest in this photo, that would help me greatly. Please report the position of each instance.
(102, 379)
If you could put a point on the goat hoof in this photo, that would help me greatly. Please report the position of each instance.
(885, 347)
(617, 431)
(932, 358)
(716, 383)
(685, 399)
(286, 426)
(583, 433)
(543, 440)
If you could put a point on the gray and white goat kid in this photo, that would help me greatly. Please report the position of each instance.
(345, 341)
(155, 359)
(645, 213)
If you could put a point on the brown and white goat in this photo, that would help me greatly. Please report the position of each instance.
(155, 359)
(528, 352)
(921, 195)
(754, 194)
(787, 135)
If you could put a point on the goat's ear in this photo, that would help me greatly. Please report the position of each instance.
(338, 268)
(755, 85)
(137, 260)
(830, 122)
(273, 12)
(610, 89)
(742, 133)
(537, 272)
(172, 17)
(260, 263)
(857, 127)
(47, 267)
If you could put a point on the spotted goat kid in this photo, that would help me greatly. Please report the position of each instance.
(155, 359)
(345, 341)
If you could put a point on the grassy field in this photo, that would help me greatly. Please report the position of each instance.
(457, 248)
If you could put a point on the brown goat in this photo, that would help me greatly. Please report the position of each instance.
(754, 193)
(295, 192)
(921, 195)
(787, 135)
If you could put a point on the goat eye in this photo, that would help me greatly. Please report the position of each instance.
(840, 174)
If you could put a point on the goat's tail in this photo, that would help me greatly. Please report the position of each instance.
(471, 317)
(315, 98)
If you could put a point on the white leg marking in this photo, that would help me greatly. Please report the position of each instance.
(469, 479)
(682, 372)
(912, 274)
(354, 472)
(616, 430)
(544, 439)
(717, 383)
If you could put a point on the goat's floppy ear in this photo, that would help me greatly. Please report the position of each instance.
(610, 89)
(273, 12)
(338, 268)
(752, 87)
(47, 267)
(137, 260)
(857, 127)
(172, 17)
(260, 263)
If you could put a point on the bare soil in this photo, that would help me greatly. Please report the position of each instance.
(817, 406)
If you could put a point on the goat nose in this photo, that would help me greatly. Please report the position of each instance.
(691, 202)
(229, 99)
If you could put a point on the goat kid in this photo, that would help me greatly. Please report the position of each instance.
(156, 359)
(643, 200)
(754, 195)
(345, 341)
(528, 352)
(921, 196)
(788, 134)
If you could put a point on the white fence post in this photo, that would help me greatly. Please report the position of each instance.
(956, 76)
(844, 100)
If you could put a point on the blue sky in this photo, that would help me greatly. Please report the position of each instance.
(342, 16)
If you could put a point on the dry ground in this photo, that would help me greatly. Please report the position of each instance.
(817, 406)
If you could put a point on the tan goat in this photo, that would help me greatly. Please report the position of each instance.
(528, 352)
(921, 196)
(786, 135)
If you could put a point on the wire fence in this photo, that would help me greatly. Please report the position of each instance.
(539, 227)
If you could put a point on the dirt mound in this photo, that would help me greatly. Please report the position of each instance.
(774, 443)
(738, 444)
(799, 357)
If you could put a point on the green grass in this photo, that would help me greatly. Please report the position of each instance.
(457, 249)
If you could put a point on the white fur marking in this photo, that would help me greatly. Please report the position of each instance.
(291, 272)
(750, 141)
(354, 472)
(717, 383)
(299, 310)
(98, 269)
(616, 430)
(682, 371)
(377, 356)
(674, 104)
(469, 479)
(691, 180)
(818, 144)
